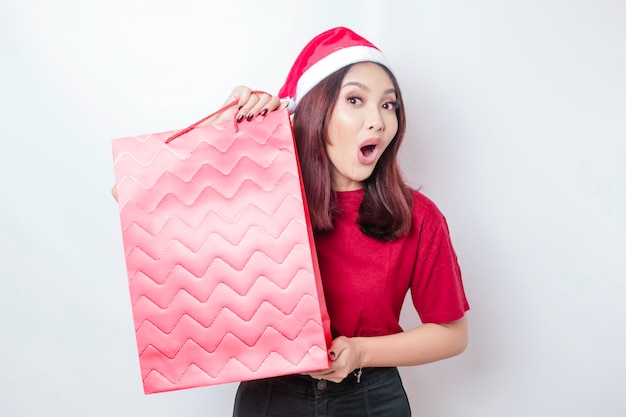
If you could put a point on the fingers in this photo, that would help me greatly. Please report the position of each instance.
(241, 93)
(342, 353)
(249, 105)
(328, 376)
(254, 105)
(336, 349)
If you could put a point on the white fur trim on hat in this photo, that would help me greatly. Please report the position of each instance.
(331, 63)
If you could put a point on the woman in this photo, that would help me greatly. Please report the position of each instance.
(376, 238)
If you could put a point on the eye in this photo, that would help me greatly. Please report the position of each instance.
(390, 105)
(354, 100)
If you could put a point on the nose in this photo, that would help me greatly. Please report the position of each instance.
(375, 121)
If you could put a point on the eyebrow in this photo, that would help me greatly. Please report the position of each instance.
(364, 87)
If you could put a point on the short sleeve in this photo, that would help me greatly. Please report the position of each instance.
(436, 286)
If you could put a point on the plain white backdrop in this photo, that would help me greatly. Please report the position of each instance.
(517, 130)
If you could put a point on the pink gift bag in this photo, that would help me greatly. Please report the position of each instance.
(222, 272)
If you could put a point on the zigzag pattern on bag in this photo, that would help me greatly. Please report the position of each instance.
(218, 255)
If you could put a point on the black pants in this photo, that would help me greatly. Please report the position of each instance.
(380, 393)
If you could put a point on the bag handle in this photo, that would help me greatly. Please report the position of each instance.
(196, 124)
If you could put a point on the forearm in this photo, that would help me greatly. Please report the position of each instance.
(424, 344)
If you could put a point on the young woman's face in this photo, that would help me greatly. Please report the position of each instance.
(362, 124)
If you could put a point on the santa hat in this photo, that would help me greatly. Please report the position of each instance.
(323, 55)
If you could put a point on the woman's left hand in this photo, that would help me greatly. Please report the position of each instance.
(346, 355)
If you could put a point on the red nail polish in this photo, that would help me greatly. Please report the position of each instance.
(239, 118)
(264, 112)
(250, 117)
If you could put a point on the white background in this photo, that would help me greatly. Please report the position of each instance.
(517, 114)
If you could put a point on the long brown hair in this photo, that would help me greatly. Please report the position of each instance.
(386, 210)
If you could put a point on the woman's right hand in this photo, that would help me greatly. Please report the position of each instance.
(249, 105)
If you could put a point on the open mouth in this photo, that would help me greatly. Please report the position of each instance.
(368, 150)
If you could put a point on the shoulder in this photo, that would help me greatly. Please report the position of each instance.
(423, 206)
(427, 217)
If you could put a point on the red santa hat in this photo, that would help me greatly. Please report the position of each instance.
(323, 55)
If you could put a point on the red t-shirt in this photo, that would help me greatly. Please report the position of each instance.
(366, 281)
